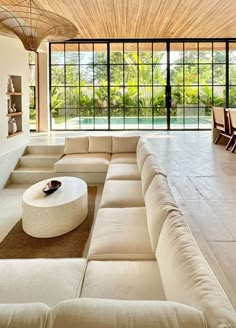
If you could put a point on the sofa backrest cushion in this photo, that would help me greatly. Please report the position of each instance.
(149, 170)
(142, 141)
(159, 202)
(187, 277)
(27, 315)
(124, 144)
(77, 145)
(100, 144)
(104, 313)
(142, 153)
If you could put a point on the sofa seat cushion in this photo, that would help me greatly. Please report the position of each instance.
(124, 280)
(122, 193)
(93, 162)
(24, 315)
(123, 158)
(103, 313)
(123, 172)
(121, 233)
(40, 280)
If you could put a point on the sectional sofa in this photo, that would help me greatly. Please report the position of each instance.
(143, 268)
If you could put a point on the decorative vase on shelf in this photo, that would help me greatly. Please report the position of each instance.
(13, 108)
(9, 126)
(10, 110)
(12, 126)
(10, 87)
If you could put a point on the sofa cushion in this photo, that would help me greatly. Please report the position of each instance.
(25, 315)
(123, 172)
(93, 162)
(122, 193)
(40, 280)
(123, 158)
(124, 280)
(142, 153)
(121, 233)
(124, 144)
(78, 145)
(149, 170)
(100, 144)
(159, 203)
(103, 313)
(192, 282)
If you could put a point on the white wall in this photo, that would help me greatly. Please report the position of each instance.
(13, 61)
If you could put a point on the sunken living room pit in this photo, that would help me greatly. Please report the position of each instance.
(143, 268)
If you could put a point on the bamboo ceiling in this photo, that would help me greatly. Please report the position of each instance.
(148, 18)
(98, 19)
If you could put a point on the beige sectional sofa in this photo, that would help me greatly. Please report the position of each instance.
(143, 269)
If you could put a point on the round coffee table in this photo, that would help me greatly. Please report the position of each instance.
(53, 215)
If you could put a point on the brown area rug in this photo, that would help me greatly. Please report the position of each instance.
(17, 244)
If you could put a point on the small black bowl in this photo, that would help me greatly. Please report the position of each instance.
(51, 186)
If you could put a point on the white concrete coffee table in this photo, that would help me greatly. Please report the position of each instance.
(53, 215)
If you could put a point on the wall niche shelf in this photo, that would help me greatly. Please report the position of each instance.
(14, 114)
(14, 105)
(14, 134)
(14, 93)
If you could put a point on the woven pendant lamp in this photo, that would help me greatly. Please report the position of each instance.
(32, 24)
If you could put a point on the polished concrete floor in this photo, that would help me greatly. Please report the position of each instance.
(202, 177)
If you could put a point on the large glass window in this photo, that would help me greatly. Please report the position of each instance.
(141, 84)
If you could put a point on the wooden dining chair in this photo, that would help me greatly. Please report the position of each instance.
(232, 129)
(220, 122)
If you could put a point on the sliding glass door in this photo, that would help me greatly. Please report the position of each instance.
(197, 81)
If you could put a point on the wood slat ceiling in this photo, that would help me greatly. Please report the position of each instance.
(148, 18)
(98, 19)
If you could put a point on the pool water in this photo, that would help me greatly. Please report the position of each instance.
(133, 122)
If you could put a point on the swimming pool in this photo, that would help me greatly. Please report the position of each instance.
(133, 122)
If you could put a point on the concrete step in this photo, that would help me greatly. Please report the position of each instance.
(28, 175)
(45, 149)
(38, 160)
